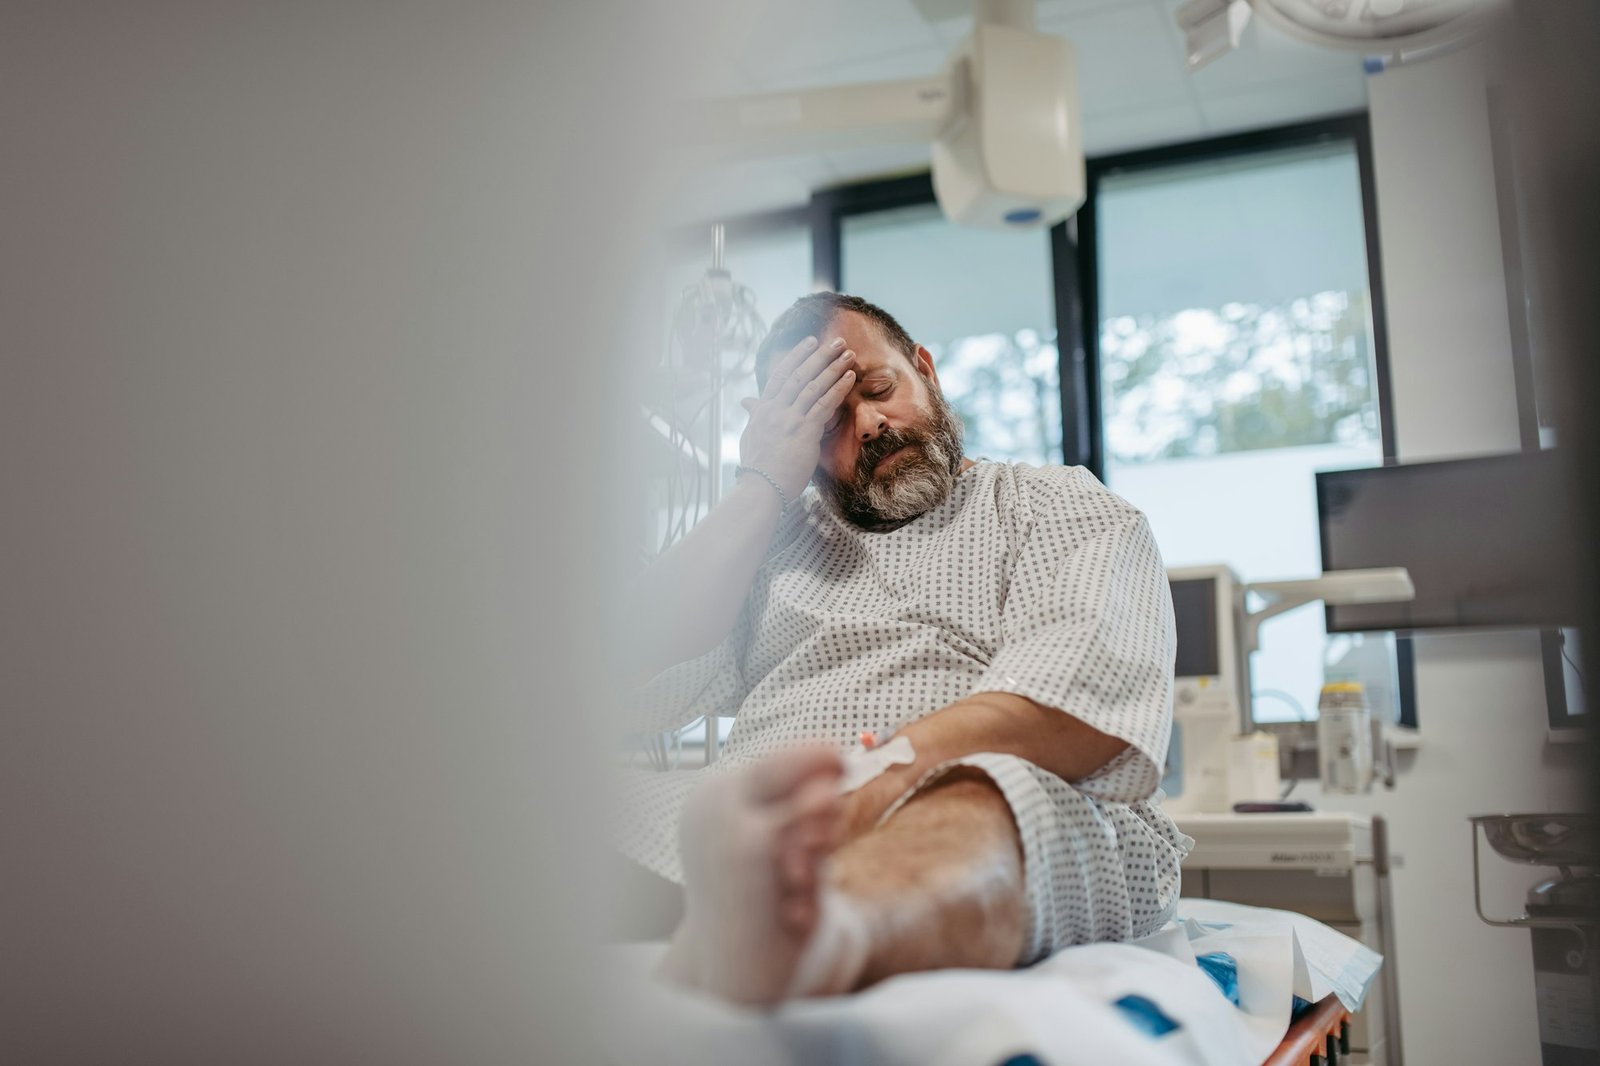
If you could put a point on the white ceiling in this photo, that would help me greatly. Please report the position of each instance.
(1134, 89)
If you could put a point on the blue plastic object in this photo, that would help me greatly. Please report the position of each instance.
(1223, 969)
(1145, 1016)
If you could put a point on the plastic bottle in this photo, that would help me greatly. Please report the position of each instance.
(1344, 738)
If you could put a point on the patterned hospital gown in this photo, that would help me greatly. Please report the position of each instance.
(1034, 581)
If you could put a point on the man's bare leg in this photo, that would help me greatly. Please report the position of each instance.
(940, 882)
(771, 916)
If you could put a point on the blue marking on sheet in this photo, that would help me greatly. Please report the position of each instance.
(1145, 1016)
(1022, 1060)
(1223, 969)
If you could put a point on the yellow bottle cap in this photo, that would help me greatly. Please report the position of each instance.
(1342, 686)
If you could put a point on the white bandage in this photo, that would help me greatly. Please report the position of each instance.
(837, 952)
(862, 766)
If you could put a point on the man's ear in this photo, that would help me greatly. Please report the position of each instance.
(923, 361)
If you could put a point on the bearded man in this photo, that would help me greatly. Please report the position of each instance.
(1013, 623)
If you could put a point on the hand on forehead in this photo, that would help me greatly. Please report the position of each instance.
(865, 338)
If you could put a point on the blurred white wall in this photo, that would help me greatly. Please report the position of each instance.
(310, 322)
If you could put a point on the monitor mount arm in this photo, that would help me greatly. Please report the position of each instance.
(1335, 588)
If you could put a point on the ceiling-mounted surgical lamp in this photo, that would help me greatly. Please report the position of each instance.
(1389, 31)
(1211, 29)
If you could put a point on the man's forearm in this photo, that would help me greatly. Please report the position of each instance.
(990, 722)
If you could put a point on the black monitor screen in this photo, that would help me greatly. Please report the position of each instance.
(1194, 603)
(1488, 542)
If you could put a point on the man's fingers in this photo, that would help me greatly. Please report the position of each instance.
(785, 366)
(817, 798)
(781, 774)
(829, 401)
(815, 363)
(825, 380)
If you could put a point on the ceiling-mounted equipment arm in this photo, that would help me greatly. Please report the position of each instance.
(910, 111)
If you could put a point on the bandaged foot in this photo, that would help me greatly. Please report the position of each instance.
(757, 926)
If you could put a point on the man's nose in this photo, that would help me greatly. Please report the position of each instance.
(870, 424)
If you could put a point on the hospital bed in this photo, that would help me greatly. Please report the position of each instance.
(1319, 1036)
(1222, 984)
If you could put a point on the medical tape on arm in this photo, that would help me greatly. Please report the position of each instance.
(862, 766)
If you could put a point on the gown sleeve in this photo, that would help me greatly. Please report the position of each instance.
(1087, 624)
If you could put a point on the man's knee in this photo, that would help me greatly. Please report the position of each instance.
(951, 860)
(965, 796)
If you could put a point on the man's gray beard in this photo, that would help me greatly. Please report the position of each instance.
(915, 484)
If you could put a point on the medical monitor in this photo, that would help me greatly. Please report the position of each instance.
(1209, 689)
(1194, 607)
(1488, 542)
(1566, 700)
(1207, 604)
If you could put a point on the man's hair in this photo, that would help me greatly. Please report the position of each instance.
(809, 317)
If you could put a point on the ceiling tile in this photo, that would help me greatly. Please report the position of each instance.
(1054, 11)
(1290, 101)
(733, 189)
(1127, 58)
(783, 39)
(918, 62)
(1051, 16)
(950, 31)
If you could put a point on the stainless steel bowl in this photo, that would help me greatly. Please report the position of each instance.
(1543, 839)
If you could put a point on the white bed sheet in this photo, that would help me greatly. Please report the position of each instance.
(1062, 1012)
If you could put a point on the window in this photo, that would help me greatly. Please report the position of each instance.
(1237, 355)
(983, 304)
